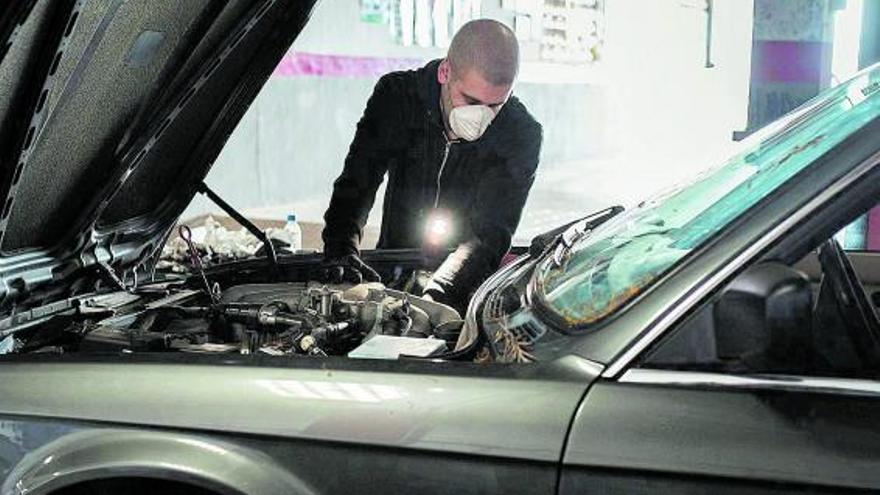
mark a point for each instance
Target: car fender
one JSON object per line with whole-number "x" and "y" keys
{"x": 96, "y": 454}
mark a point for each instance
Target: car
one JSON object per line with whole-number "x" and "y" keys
{"x": 715, "y": 338}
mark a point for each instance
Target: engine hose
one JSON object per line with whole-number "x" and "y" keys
{"x": 421, "y": 323}
{"x": 183, "y": 311}
{"x": 330, "y": 332}
{"x": 449, "y": 331}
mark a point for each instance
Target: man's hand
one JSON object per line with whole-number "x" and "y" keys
{"x": 349, "y": 268}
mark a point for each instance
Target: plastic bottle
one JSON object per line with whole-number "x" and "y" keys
{"x": 292, "y": 234}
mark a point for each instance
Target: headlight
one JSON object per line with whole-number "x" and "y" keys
{"x": 472, "y": 321}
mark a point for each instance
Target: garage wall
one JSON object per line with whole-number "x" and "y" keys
{"x": 649, "y": 113}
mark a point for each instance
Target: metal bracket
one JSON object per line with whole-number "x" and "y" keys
{"x": 117, "y": 281}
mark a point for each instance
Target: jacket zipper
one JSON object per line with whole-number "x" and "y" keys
{"x": 440, "y": 172}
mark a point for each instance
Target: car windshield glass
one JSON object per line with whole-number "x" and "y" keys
{"x": 606, "y": 268}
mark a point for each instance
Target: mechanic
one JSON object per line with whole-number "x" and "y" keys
{"x": 460, "y": 153}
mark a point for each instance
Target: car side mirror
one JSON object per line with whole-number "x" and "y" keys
{"x": 763, "y": 319}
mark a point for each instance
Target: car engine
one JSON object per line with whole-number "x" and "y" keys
{"x": 366, "y": 320}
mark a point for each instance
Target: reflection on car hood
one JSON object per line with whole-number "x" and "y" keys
{"x": 111, "y": 113}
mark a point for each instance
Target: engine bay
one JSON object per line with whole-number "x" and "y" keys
{"x": 365, "y": 320}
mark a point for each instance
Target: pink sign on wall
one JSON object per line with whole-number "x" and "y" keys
{"x": 317, "y": 65}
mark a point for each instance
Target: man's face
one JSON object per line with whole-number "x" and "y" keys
{"x": 469, "y": 88}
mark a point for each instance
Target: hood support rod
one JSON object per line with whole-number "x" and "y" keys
{"x": 243, "y": 221}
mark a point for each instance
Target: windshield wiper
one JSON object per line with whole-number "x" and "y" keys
{"x": 562, "y": 238}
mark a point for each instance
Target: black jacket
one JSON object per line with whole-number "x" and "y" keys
{"x": 484, "y": 183}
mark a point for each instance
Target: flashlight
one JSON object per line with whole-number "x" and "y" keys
{"x": 438, "y": 228}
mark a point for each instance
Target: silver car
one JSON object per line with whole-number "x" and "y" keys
{"x": 714, "y": 339}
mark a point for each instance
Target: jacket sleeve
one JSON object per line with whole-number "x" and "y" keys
{"x": 376, "y": 142}
{"x": 501, "y": 195}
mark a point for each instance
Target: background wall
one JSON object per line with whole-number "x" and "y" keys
{"x": 647, "y": 115}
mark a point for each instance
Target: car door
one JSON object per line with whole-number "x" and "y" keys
{"x": 653, "y": 431}
{"x": 695, "y": 428}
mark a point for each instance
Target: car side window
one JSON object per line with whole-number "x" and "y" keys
{"x": 775, "y": 319}
{"x": 863, "y": 234}
{"x": 861, "y": 240}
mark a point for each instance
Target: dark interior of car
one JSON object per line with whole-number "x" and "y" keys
{"x": 817, "y": 317}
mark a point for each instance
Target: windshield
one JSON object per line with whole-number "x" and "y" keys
{"x": 606, "y": 268}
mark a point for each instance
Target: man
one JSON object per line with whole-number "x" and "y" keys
{"x": 460, "y": 153}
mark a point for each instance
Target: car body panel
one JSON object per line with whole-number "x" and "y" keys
{"x": 675, "y": 436}
{"x": 408, "y": 410}
{"x": 77, "y": 453}
{"x": 51, "y": 453}
{"x": 415, "y": 424}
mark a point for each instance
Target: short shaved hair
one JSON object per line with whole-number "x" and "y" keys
{"x": 487, "y": 46}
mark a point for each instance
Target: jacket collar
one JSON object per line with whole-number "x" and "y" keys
{"x": 429, "y": 91}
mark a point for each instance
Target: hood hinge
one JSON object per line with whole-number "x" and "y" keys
{"x": 115, "y": 279}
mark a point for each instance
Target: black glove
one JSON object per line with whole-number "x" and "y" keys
{"x": 348, "y": 268}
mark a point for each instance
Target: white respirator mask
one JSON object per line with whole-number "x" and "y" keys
{"x": 471, "y": 121}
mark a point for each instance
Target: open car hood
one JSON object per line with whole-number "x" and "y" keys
{"x": 111, "y": 114}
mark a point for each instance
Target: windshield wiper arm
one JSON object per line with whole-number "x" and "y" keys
{"x": 243, "y": 221}
{"x": 565, "y": 235}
